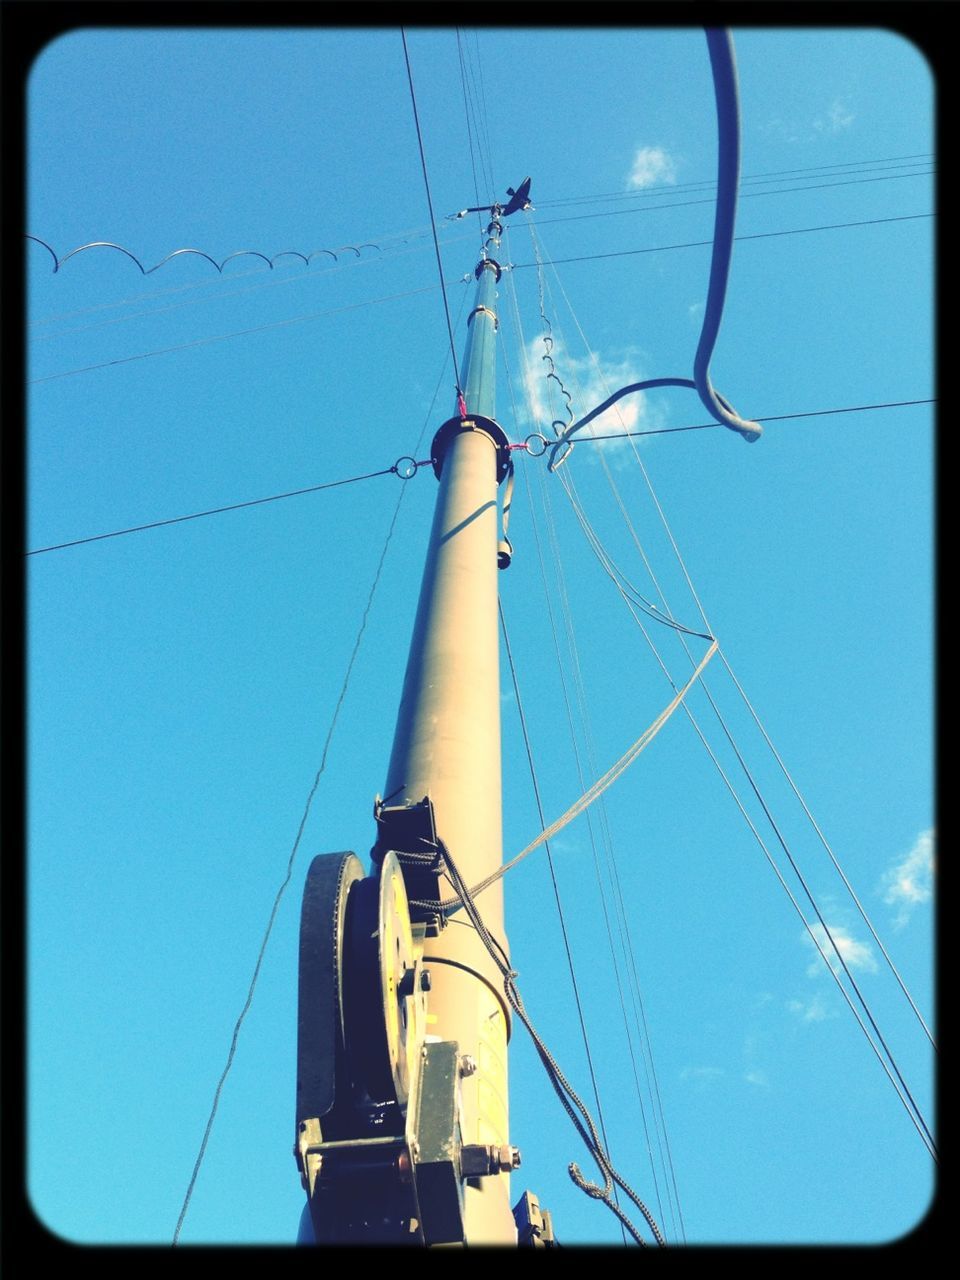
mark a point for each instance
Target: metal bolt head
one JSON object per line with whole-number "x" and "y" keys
{"x": 468, "y": 1064}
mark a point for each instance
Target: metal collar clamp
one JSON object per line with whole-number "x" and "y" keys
{"x": 474, "y": 422}
{"x": 488, "y": 262}
{"x": 486, "y": 311}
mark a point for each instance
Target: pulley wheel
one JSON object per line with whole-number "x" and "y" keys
{"x": 384, "y": 1006}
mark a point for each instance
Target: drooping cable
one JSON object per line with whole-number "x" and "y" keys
{"x": 649, "y": 1067}
{"x": 571, "y": 1102}
{"x": 902, "y": 1089}
{"x": 433, "y": 220}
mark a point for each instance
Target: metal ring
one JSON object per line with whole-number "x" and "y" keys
{"x": 539, "y": 452}
{"x": 406, "y": 472}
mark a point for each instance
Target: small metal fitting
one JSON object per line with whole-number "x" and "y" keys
{"x": 468, "y": 1065}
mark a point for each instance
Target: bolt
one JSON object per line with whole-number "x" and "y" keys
{"x": 426, "y": 981}
{"x": 468, "y": 1065}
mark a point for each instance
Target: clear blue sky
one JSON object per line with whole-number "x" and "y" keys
{"x": 181, "y": 680}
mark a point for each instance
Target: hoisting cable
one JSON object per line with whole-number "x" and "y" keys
{"x": 433, "y": 221}
{"x": 571, "y": 1102}
{"x": 553, "y": 878}
{"x": 303, "y": 822}
{"x": 601, "y": 810}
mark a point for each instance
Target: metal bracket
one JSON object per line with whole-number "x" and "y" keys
{"x": 534, "y": 1225}
{"x": 488, "y": 262}
{"x": 486, "y": 311}
{"x": 475, "y": 422}
{"x": 410, "y": 831}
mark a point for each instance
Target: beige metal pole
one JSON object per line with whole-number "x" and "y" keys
{"x": 447, "y": 747}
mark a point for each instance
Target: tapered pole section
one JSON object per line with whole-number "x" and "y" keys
{"x": 447, "y": 745}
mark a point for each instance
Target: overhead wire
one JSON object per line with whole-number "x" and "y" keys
{"x": 214, "y": 511}
{"x": 576, "y": 750}
{"x": 662, "y": 1136}
{"x": 903, "y": 1091}
{"x": 851, "y": 166}
{"x": 433, "y": 221}
{"x": 231, "y": 1054}
{"x": 569, "y": 1099}
{"x": 746, "y": 195}
{"x": 239, "y": 333}
{"x": 575, "y": 986}
{"x": 697, "y": 244}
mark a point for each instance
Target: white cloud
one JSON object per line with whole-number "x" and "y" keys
{"x": 856, "y": 955}
{"x": 651, "y": 167}
{"x": 695, "y": 312}
{"x": 701, "y": 1075}
{"x": 757, "y": 1077}
{"x": 837, "y": 118}
{"x": 909, "y": 881}
{"x": 814, "y": 1010}
{"x": 588, "y": 384}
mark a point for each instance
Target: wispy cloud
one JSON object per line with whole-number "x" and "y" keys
{"x": 589, "y": 384}
{"x": 909, "y": 881}
{"x": 702, "y": 1075}
{"x": 856, "y": 955}
{"x": 813, "y": 1010}
{"x": 652, "y": 166}
{"x": 835, "y": 119}
{"x": 757, "y": 1078}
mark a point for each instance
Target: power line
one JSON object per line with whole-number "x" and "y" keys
{"x": 684, "y": 204}
{"x": 664, "y": 188}
{"x": 214, "y": 511}
{"x": 300, "y": 830}
{"x": 239, "y": 333}
{"x": 781, "y": 417}
{"x": 695, "y": 244}
{"x": 433, "y": 221}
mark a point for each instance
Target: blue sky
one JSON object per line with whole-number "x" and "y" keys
{"x": 181, "y": 680}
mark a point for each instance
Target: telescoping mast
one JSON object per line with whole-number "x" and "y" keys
{"x": 402, "y": 1125}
